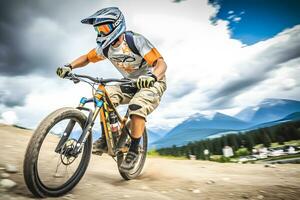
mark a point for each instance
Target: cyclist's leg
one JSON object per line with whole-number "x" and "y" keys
{"x": 142, "y": 104}
{"x": 117, "y": 96}
{"x": 145, "y": 101}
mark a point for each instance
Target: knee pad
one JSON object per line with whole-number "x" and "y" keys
{"x": 134, "y": 107}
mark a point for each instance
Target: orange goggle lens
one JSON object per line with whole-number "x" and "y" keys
{"x": 104, "y": 29}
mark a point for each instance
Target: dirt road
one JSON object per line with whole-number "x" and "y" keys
{"x": 162, "y": 178}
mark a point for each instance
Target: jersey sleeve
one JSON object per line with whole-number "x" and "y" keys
{"x": 146, "y": 49}
{"x": 95, "y": 55}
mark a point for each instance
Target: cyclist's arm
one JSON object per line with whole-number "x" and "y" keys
{"x": 154, "y": 59}
{"x": 83, "y": 60}
{"x": 159, "y": 68}
{"x": 151, "y": 56}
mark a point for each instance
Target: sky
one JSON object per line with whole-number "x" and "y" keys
{"x": 251, "y": 21}
{"x": 216, "y": 63}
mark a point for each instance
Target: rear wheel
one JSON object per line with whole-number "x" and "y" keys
{"x": 141, "y": 160}
{"x": 52, "y": 171}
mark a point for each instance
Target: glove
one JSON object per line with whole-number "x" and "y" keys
{"x": 146, "y": 81}
{"x": 62, "y": 72}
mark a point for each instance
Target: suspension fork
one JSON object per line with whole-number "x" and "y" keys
{"x": 65, "y": 135}
{"x": 88, "y": 124}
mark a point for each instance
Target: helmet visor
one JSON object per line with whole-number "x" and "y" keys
{"x": 104, "y": 29}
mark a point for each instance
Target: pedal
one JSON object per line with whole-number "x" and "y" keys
{"x": 123, "y": 149}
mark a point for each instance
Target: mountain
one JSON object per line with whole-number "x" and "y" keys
{"x": 269, "y": 110}
{"x": 200, "y": 121}
{"x": 291, "y": 117}
{"x": 247, "y": 113}
{"x": 153, "y": 136}
{"x": 199, "y": 126}
{"x": 267, "y": 113}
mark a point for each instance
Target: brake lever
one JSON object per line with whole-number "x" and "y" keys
{"x": 75, "y": 80}
{"x": 71, "y": 76}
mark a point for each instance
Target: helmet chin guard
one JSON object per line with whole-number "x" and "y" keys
{"x": 108, "y": 15}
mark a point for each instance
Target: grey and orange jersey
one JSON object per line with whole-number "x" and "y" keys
{"x": 129, "y": 64}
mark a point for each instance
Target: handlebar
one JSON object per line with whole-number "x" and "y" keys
{"x": 76, "y": 78}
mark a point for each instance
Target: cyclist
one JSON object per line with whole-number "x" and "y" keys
{"x": 135, "y": 58}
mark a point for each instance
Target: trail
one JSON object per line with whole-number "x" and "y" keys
{"x": 164, "y": 179}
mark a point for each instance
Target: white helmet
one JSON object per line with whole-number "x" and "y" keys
{"x": 109, "y": 24}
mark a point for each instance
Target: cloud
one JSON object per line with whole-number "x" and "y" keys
{"x": 12, "y": 93}
{"x": 9, "y": 118}
{"x": 36, "y": 37}
{"x": 261, "y": 59}
{"x": 237, "y": 19}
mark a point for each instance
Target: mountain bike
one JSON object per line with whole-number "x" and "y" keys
{"x": 59, "y": 151}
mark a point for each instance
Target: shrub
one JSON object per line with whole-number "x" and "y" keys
{"x": 219, "y": 158}
{"x": 242, "y": 152}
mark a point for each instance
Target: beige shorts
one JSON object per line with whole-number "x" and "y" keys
{"x": 141, "y": 103}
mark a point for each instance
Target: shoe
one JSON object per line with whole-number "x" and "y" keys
{"x": 99, "y": 146}
{"x": 129, "y": 161}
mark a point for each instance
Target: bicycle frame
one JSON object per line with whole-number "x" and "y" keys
{"x": 103, "y": 105}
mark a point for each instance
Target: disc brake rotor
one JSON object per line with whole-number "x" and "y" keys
{"x": 66, "y": 157}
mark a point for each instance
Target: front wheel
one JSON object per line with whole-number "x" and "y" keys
{"x": 141, "y": 160}
{"x": 51, "y": 168}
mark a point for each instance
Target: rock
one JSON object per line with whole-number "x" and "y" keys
{"x": 7, "y": 183}
{"x": 4, "y": 175}
{"x": 260, "y": 197}
{"x": 270, "y": 165}
{"x": 2, "y": 168}
{"x": 126, "y": 196}
{"x": 244, "y": 196}
{"x": 11, "y": 168}
{"x": 210, "y": 182}
{"x": 196, "y": 191}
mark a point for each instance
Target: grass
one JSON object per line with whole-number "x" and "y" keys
{"x": 281, "y": 157}
{"x": 155, "y": 154}
{"x": 293, "y": 142}
{"x": 275, "y": 144}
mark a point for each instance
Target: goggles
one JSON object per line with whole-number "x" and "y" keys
{"x": 104, "y": 29}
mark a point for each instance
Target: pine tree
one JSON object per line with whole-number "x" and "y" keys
{"x": 249, "y": 142}
{"x": 266, "y": 139}
{"x": 224, "y": 141}
{"x": 232, "y": 140}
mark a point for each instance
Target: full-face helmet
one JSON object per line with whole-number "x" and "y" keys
{"x": 109, "y": 24}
